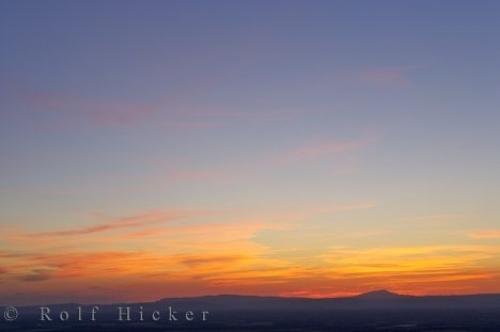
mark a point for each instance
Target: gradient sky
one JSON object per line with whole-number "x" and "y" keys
{"x": 297, "y": 148}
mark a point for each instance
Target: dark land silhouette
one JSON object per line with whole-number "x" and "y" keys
{"x": 373, "y": 311}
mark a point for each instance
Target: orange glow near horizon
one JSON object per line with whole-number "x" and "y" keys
{"x": 108, "y": 262}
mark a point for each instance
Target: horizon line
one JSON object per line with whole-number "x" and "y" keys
{"x": 388, "y": 292}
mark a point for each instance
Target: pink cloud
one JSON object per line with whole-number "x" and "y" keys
{"x": 119, "y": 114}
{"x": 232, "y": 171}
{"x": 46, "y": 99}
{"x": 216, "y": 174}
{"x": 326, "y": 148}
{"x": 386, "y": 76}
{"x": 69, "y": 109}
{"x": 120, "y": 223}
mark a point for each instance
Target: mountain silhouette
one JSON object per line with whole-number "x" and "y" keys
{"x": 379, "y": 299}
{"x": 379, "y": 310}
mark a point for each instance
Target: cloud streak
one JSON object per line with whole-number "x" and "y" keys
{"x": 36, "y": 276}
{"x": 196, "y": 260}
{"x": 63, "y": 108}
{"x": 485, "y": 234}
{"x": 154, "y": 274}
{"x": 386, "y": 76}
{"x": 326, "y": 148}
{"x": 121, "y": 223}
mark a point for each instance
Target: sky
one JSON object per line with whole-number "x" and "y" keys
{"x": 156, "y": 149}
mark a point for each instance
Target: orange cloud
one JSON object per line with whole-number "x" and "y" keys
{"x": 430, "y": 261}
{"x": 194, "y": 261}
{"x": 37, "y": 275}
{"x": 149, "y": 275}
{"x": 146, "y": 260}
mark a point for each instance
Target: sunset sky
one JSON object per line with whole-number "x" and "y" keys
{"x": 154, "y": 149}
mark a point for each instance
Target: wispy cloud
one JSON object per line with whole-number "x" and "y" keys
{"x": 327, "y": 148}
{"x": 318, "y": 149}
{"x": 65, "y": 108}
{"x": 120, "y": 223}
{"x": 197, "y": 260}
{"x": 396, "y": 76}
{"x": 421, "y": 269}
{"x": 11, "y": 255}
{"x": 310, "y": 151}
{"x": 69, "y": 108}
{"x": 36, "y": 275}
{"x": 485, "y": 234}
{"x": 119, "y": 113}
{"x": 417, "y": 259}
{"x": 196, "y": 175}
